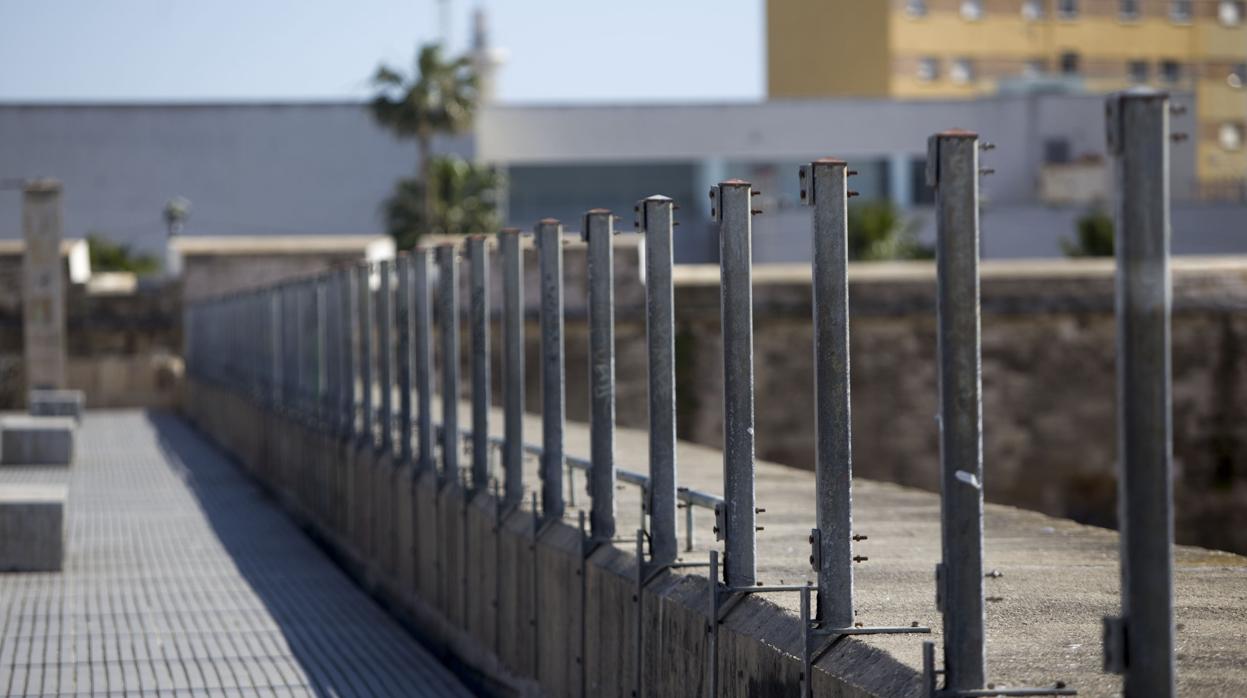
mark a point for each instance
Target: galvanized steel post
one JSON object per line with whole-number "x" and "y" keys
{"x": 732, "y": 208}
{"x": 448, "y": 311}
{"x": 825, "y": 187}
{"x": 346, "y": 344}
{"x": 478, "y": 262}
{"x": 422, "y": 337}
{"x": 512, "y": 365}
{"x": 364, "y": 288}
{"x": 549, "y": 234}
{"x": 953, "y": 169}
{"x": 385, "y": 353}
{"x": 599, "y": 233}
{"x": 320, "y": 295}
{"x": 1140, "y": 644}
{"x": 658, "y": 223}
{"x": 405, "y": 303}
{"x": 329, "y": 302}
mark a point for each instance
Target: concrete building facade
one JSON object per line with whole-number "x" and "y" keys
{"x": 941, "y": 49}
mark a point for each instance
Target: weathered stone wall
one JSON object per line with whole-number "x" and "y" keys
{"x": 1049, "y": 384}
{"x": 1049, "y": 378}
{"x": 124, "y": 349}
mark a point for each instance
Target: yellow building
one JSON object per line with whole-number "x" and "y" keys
{"x": 914, "y": 49}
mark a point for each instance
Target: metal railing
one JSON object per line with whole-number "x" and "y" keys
{"x": 304, "y": 348}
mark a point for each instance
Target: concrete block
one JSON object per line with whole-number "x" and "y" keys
{"x": 32, "y": 527}
{"x": 56, "y": 403}
{"x": 27, "y": 440}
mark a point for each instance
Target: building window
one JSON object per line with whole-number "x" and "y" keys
{"x": 1138, "y": 71}
{"x": 1237, "y": 77}
{"x": 1070, "y": 63}
{"x": 1067, "y": 9}
{"x": 1128, "y": 9}
{"x": 1180, "y": 10}
{"x": 972, "y": 9}
{"x": 1171, "y": 72}
{"x": 1230, "y": 12}
{"x": 1032, "y": 10}
{"x": 928, "y": 68}
{"x": 1230, "y": 135}
{"x": 962, "y": 71}
{"x": 916, "y": 8}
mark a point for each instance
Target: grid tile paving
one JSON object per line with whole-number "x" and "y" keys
{"x": 182, "y": 579}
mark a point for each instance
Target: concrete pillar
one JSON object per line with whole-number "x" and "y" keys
{"x": 43, "y": 291}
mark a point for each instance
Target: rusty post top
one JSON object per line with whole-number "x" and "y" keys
{"x": 957, "y": 133}
{"x": 510, "y": 231}
{"x": 735, "y": 183}
{"x": 475, "y": 237}
{"x": 548, "y": 221}
{"x": 1142, "y": 92}
{"x": 41, "y": 185}
{"x": 657, "y": 198}
{"x": 598, "y": 212}
{"x": 830, "y": 161}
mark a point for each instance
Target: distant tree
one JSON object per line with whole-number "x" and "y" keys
{"x": 463, "y": 199}
{"x": 107, "y": 255}
{"x": 439, "y": 97}
{"x": 1093, "y": 236}
{"x": 879, "y": 231}
{"x": 175, "y": 213}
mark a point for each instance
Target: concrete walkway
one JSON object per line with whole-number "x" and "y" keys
{"x": 181, "y": 578}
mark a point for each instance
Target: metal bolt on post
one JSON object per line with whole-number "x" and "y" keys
{"x": 599, "y": 232}
{"x": 478, "y": 262}
{"x": 733, "y": 211}
{"x": 512, "y": 365}
{"x": 657, "y": 221}
{"x": 448, "y": 311}
{"x": 1140, "y": 644}
{"x": 422, "y": 338}
{"x": 385, "y": 352}
{"x": 549, "y": 235}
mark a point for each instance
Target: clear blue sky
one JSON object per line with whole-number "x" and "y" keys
{"x": 559, "y": 50}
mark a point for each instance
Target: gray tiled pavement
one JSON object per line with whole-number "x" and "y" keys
{"x": 181, "y": 578}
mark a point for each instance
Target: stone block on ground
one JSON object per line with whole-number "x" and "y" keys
{"x": 56, "y": 403}
{"x": 28, "y": 440}
{"x": 32, "y": 527}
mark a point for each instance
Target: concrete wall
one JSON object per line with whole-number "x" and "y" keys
{"x": 521, "y": 610}
{"x": 124, "y": 350}
{"x": 1048, "y": 376}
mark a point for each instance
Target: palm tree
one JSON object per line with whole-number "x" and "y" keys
{"x": 439, "y": 97}
{"x": 879, "y": 231}
{"x": 463, "y": 202}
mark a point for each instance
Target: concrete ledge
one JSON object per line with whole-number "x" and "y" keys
{"x": 56, "y": 403}
{"x": 32, "y": 527}
{"x": 27, "y": 440}
{"x": 517, "y": 607}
